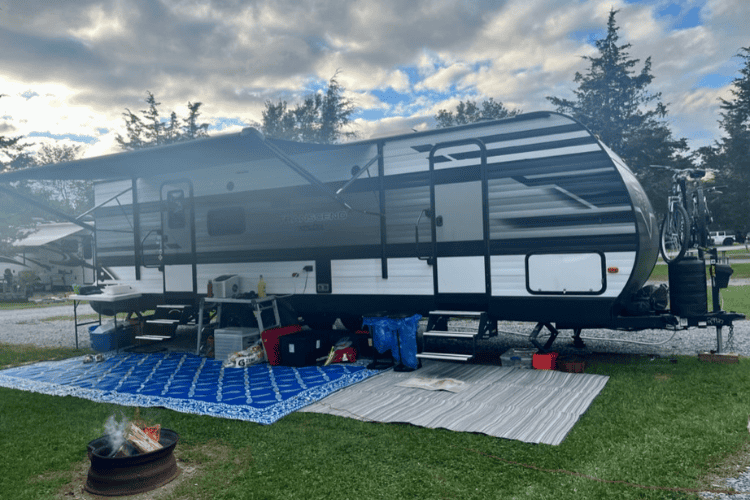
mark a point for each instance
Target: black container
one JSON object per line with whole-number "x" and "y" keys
{"x": 361, "y": 340}
{"x": 117, "y": 476}
{"x": 723, "y": 272}
{"x": 303, "y": 348}
{"x": 688, "y": 296}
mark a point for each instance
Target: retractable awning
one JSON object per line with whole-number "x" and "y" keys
{"x": 191, "y": 155}
{"x": 48, "y": 233}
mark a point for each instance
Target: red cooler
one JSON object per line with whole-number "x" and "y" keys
{"x": 270, "y": 339}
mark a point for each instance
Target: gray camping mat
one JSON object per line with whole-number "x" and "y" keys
{"x": 535, "y": 406}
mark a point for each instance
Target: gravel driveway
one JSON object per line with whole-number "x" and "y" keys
{"x": 31, "y": 326}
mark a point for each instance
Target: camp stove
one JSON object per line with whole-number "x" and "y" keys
{"x": 111, "y": 474}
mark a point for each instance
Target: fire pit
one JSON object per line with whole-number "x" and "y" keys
{"x": 128, "y": 475}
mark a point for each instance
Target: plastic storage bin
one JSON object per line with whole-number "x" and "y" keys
{"x": 229, "y": 340}
{"x": 518, "y": 358}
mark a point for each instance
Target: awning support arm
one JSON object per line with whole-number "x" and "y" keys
{"x": 46, "y": 208}
{"x": 356, "y": 176}
{"x": 302, "y": 171}
{"x": 84, "y": 214}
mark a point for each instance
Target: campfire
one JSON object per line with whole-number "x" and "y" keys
{"x": 131, "y": 459}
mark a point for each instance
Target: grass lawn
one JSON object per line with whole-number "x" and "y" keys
{"x": 656, "y": 424}
{"x": 741, "y": 271}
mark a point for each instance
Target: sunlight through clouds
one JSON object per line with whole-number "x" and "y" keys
{"x": 400, "y": 62}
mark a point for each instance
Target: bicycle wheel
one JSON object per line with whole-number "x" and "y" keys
{"x": 673, "y": 235}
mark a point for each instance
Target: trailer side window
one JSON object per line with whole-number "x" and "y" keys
{"x": 226, "y": 221}
{"x": 88, "y": 248}
{"x": 69, "y": 246}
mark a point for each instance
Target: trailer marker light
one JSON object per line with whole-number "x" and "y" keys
{"x": 613, "y": 270}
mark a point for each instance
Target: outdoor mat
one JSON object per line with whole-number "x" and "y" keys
{"x": 535, "y": 406}
{"x": 187, "y": 383}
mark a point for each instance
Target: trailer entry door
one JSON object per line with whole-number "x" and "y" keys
{"x": 459, "y": 223}
{"x": 178, "y": 236}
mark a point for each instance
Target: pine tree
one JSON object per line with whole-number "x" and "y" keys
{"x": 150, "y": 129}
{"x": 613, "y": 101}
{"x": 469, "y": 112}
{"x": 730, "y": 155}
{"x": 320, "y": 118}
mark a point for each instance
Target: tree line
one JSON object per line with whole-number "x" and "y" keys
{"x": 612, "y": 99}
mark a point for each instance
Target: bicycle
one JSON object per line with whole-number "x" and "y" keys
{"x": 686, "y": 223}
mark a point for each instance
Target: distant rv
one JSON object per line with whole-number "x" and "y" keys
{"x": 59, "y": 253}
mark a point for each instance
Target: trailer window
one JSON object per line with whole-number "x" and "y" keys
{"x": 69, "y": 246}
{"x": 88, "y": 250}
{"x": 571, "y": 273}
{"x": 176, "y": 209}
{"x": 226, "y": 221}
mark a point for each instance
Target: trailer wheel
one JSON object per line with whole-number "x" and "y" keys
{"x": 673, "y": 235}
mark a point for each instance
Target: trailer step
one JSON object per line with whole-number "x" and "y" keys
{"x": 152, "y": 337}
{"x": 163, "y": 321}
{"x": 475, "y": 314}
{"x": 445, "y": 356}
{"x": 173, "y": 306}
{"x": 459, "y": 335}
{"x": 437, "y": 329}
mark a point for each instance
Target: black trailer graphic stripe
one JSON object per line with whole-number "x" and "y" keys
{"x": 603, "y": 243}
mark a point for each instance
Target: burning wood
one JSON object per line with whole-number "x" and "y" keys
{"x": 141, "y": 440}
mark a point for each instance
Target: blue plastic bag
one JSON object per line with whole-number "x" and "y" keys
{"x": 383, "y": 335}
{"x": 407, "y": 335}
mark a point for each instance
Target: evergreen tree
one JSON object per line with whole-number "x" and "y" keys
{"x": 150, "y": 129}
{"x": 730, "y": 155}
{"x": 14, "y": 153}
{"x": 320, "y": 118}
{"x": 613, "y": 101}
{"x": 71, "y": 197}
{"x": 469, "y": 112}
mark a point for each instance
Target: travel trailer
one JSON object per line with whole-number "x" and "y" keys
{"x": 530, "y": 218}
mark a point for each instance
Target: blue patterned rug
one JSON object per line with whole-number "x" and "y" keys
{"x": 187, "y": 383}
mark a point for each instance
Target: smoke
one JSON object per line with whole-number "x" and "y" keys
{"x": 115, "y": 431}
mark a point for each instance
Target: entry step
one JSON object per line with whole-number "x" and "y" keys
{"x": 152, "y": 337}
{"x": 162, "y": 321}
{"x": 444, "y": 356}
{"x": 459, "y": 335}
{"x": 456, "y": 313}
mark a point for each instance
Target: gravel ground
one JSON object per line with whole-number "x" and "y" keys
{"x": 44, "y": 327}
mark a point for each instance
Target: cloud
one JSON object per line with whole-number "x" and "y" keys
{"x": 89, "y": 60}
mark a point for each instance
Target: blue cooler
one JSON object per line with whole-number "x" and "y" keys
{"x": 109, "y": 340}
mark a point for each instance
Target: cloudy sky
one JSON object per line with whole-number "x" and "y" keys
{"x": 68, "y": 69}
